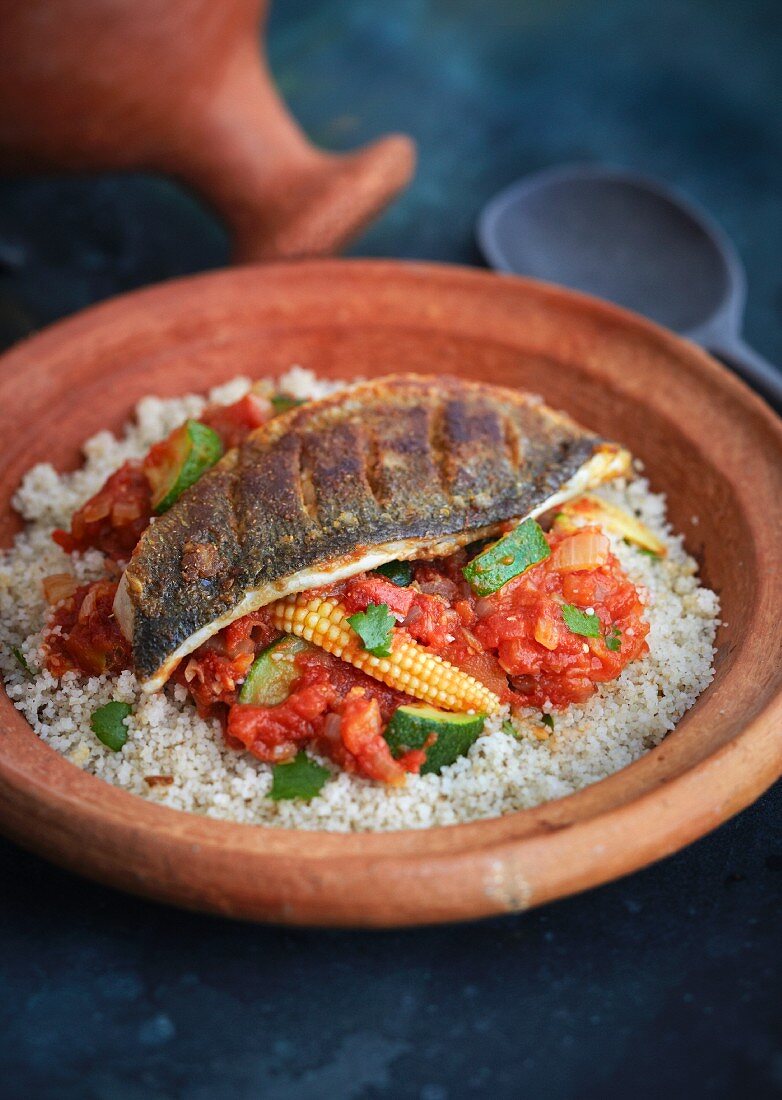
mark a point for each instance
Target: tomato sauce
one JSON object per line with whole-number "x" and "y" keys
{"x": 550, "y": 665}
{"x": 517, "y": 641}
{"x": 83, "y": 635}
{"x": 214, "y": 673}
{"x": 234, "y": 422}
{"x": 334, "y": 707}
{"x": 114, "y": 519}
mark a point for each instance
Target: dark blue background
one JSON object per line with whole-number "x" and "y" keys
{"x": 664, "y": 984}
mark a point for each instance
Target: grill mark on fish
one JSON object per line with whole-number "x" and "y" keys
{"x": 513, "y": 445}
{"x": 408, "y": 474}
{"x": 402, "y": 467}
{"x": 339, "y": 478}
{"x": 309, "y": 498}
{"x": 373, "y": 469}
{"x": 273, "y": 515}
{"x": 479, "y": 468}
{"x": 438, "y": 447}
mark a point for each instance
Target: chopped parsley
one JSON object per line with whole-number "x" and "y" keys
{"x": 20, "y": 660}
{"x": 579, "y": 622}
{"x": 547, "y": 720}
{"x": 614, "y": 639}
{"x": 375, "y": 628}
{"x": 108, "y": 724}
{"x": 509, "y": 728}
{"x": 301, "y": 778}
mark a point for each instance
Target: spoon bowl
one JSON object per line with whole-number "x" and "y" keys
{"x": 625, "y": 237}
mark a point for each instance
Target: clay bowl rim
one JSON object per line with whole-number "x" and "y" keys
{"x": 411, "y": 877}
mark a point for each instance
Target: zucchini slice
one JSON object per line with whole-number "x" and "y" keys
{"x": 411, "y": 727}
{"x": 189, "y": 452}
{"x": 512, "y": 555}
{"x": 399, "y": 573}
{"x": 273, "y": 672}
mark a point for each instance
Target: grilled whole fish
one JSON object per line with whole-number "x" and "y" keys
{"x": 402, "y": 467}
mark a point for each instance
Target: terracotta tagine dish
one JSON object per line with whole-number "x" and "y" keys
{"x": 180, "y": 87}
{"x": 705, "y": 440}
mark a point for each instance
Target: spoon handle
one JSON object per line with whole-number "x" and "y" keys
{"x": 753, "y": 368}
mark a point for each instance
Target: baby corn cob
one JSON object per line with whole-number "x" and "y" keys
{"x": 410, "y": 668}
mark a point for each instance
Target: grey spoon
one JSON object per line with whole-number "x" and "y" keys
{"x": 636, "y": 242}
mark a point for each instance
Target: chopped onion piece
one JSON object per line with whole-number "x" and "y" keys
{"x": 97, "y": 508}
{"x": 414, "y": 614}
{"x": 58, "y": 587}
{"x": 88, "y": 605}
{"x": 332, "y": 729}
{"x": 546, "y": 633}
{"x": 584, "y": 550}
{"x": 125, "y": 511}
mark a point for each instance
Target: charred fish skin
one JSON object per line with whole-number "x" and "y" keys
{"x": 400, "y": 464}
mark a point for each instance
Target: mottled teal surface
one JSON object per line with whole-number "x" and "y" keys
{"x": 666, "y": 984}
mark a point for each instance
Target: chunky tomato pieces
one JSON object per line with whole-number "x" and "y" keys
{"x": 114, "y": 519}
{"x": 83, "y": 635}
{"x": 516, "y": 641}
{"x": 547, "y": 662}
{"x": 438, "y": 613}
{"x": 426, "y": 616}
{"x": 215, "y": 671}
{"x": 338, "y": 710}
{"x": 276, "y": 733}
{"x": 362, "y": 747}
{"x": 233, "y": 422}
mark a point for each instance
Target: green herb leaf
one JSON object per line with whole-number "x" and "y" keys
{"x": 547, "y": 720}
{"x": 108, "y": 724}
{"x": 509, "y": 728}
{"x": 374, "y": 627}
{"x": 511, "y": 556}
{"x": 399, "y": 573}
{"x": 282, "y": 402}
{"x": 614, "y": 640}
{"x": 301, "y": 778}
{"x": 578, "y": 622}
{"x": 20, "y": 660}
